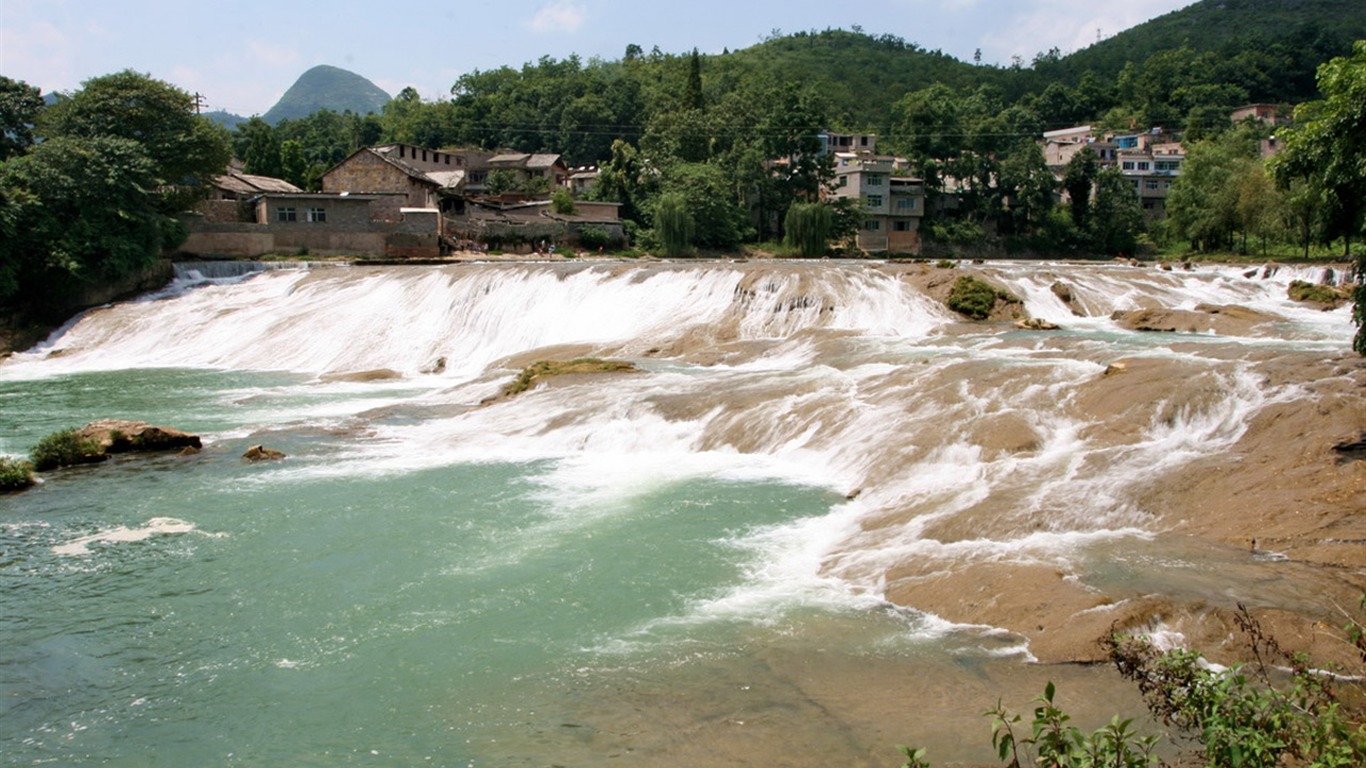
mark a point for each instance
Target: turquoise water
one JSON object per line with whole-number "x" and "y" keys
{"x": 301, "y": 617}
{"x": 652, "y": 569}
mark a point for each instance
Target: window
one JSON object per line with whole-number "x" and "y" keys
{"x": 285, "y": 214}
{"x": 315, "y": 215}
{"x": 905, "y": 203}
{"x": 1150, "y": 184}
{"x": 875, "y": 180}
{"x": 1127, "y": 165}
{"x": 872, "y": 226}
{"x": 844, "y": 181}
{"x": 1143, "y": 166}
{"x": 901, "y": 226}
{"x": 874, "y": 201}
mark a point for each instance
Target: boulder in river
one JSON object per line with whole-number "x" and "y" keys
{"x": 262, "y": 453}
{"x": 122, "y": 436}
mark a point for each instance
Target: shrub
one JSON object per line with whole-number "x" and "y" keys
{"x": 15, "y": 474}
{"x": 1279, "y": 709}
{"x": 1052, "y": 742}
{"x": 563, "y": 202}
{"x": 64, "y": 449}
{"x": 593, "y": 238}
{"x": 975, "y": 298}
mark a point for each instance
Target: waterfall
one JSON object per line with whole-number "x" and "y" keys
{"x": 812, "y": 453}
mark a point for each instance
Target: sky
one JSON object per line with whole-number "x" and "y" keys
{"x": 242, "y": 56}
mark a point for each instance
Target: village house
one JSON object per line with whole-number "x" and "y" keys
{"x": 233, "y": 195}
{"x": 524, "y": 176}
{"x": 1150, "y": 160}
{"x": 534, "y": 225}
{"x": 407, "y": 176}
{"x": 893, "y": 204}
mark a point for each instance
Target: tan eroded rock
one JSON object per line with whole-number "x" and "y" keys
{"x": 261, "y": 453}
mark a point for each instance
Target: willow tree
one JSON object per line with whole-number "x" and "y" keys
{"x": 807, "y": 228}
{"x": 673, "y": 224}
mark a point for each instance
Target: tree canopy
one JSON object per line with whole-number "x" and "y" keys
{"x": 93, "y": 198}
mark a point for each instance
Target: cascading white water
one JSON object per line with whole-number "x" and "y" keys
{"x": 959, "y": 448}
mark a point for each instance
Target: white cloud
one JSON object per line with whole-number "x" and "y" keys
{"x": 271, "y": 54}
{"x": 557, "y": 17}
{"x": 1070, "y": 25}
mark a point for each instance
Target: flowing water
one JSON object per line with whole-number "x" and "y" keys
{"x": 687, "y": 564}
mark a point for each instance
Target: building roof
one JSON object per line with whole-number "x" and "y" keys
{"x": 515, "y": 159}
{"x": 251, "y": 184}
{"x": 446, "y": 179}
{"x": 338, "y": 196}
{"x": 520, "y": 160}
{"x": 543, "y": 161}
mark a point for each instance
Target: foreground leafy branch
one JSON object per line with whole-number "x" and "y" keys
{"x": 1276, "y": 710}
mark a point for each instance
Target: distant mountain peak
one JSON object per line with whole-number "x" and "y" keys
{"x": 327, "y": 87}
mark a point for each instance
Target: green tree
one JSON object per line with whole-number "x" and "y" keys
{"x": 1327, "y": 147}
{"x": 1078, "y": 179}
{"x": 1029, "y": 185}
{"x": 808, "y": 227}
{"x": 1202, "y": 206}
{"x": 692, "y": 96}
{"x": 295, "y": 168}
{"x": 185, "y": 149}
{"x": 256, "y": 144}
{"x": 563, "y": 202}
{"x": 718, "y": 220}
{"x": 86, "y": 216}
{"x": 19, "y": 107}
{"x": 625, "y": 179}
{"x": 673, "y": 224}
{"x": 1116, "y": 216}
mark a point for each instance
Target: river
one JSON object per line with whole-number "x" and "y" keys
{"x": 820, "y": 521}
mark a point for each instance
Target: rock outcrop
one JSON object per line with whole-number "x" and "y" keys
{"x": 1225, "y": 320}
{"x": 262, "y": 453}
{"x": 121, "y": 436}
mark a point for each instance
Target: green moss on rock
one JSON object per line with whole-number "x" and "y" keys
{"x": 545, "y": 369}
{"x": 976, "y": 298}
{"x": 1300, "y": 290}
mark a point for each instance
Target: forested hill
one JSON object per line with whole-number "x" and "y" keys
{"x": 324, "y": 87}
{"x": 1277, "y": 42}
{"x": 855, "y": 72}
{"x": 1184, "y": 71}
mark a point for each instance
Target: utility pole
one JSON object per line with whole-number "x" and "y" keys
{"x": 198, "y": 102}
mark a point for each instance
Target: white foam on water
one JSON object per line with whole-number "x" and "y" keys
{"x": 893, "y": 414}
{"x": 157, "y": 526}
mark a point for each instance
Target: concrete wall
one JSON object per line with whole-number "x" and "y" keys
{"x": 341, "y": 213}
{"x": 250, "y": 241}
